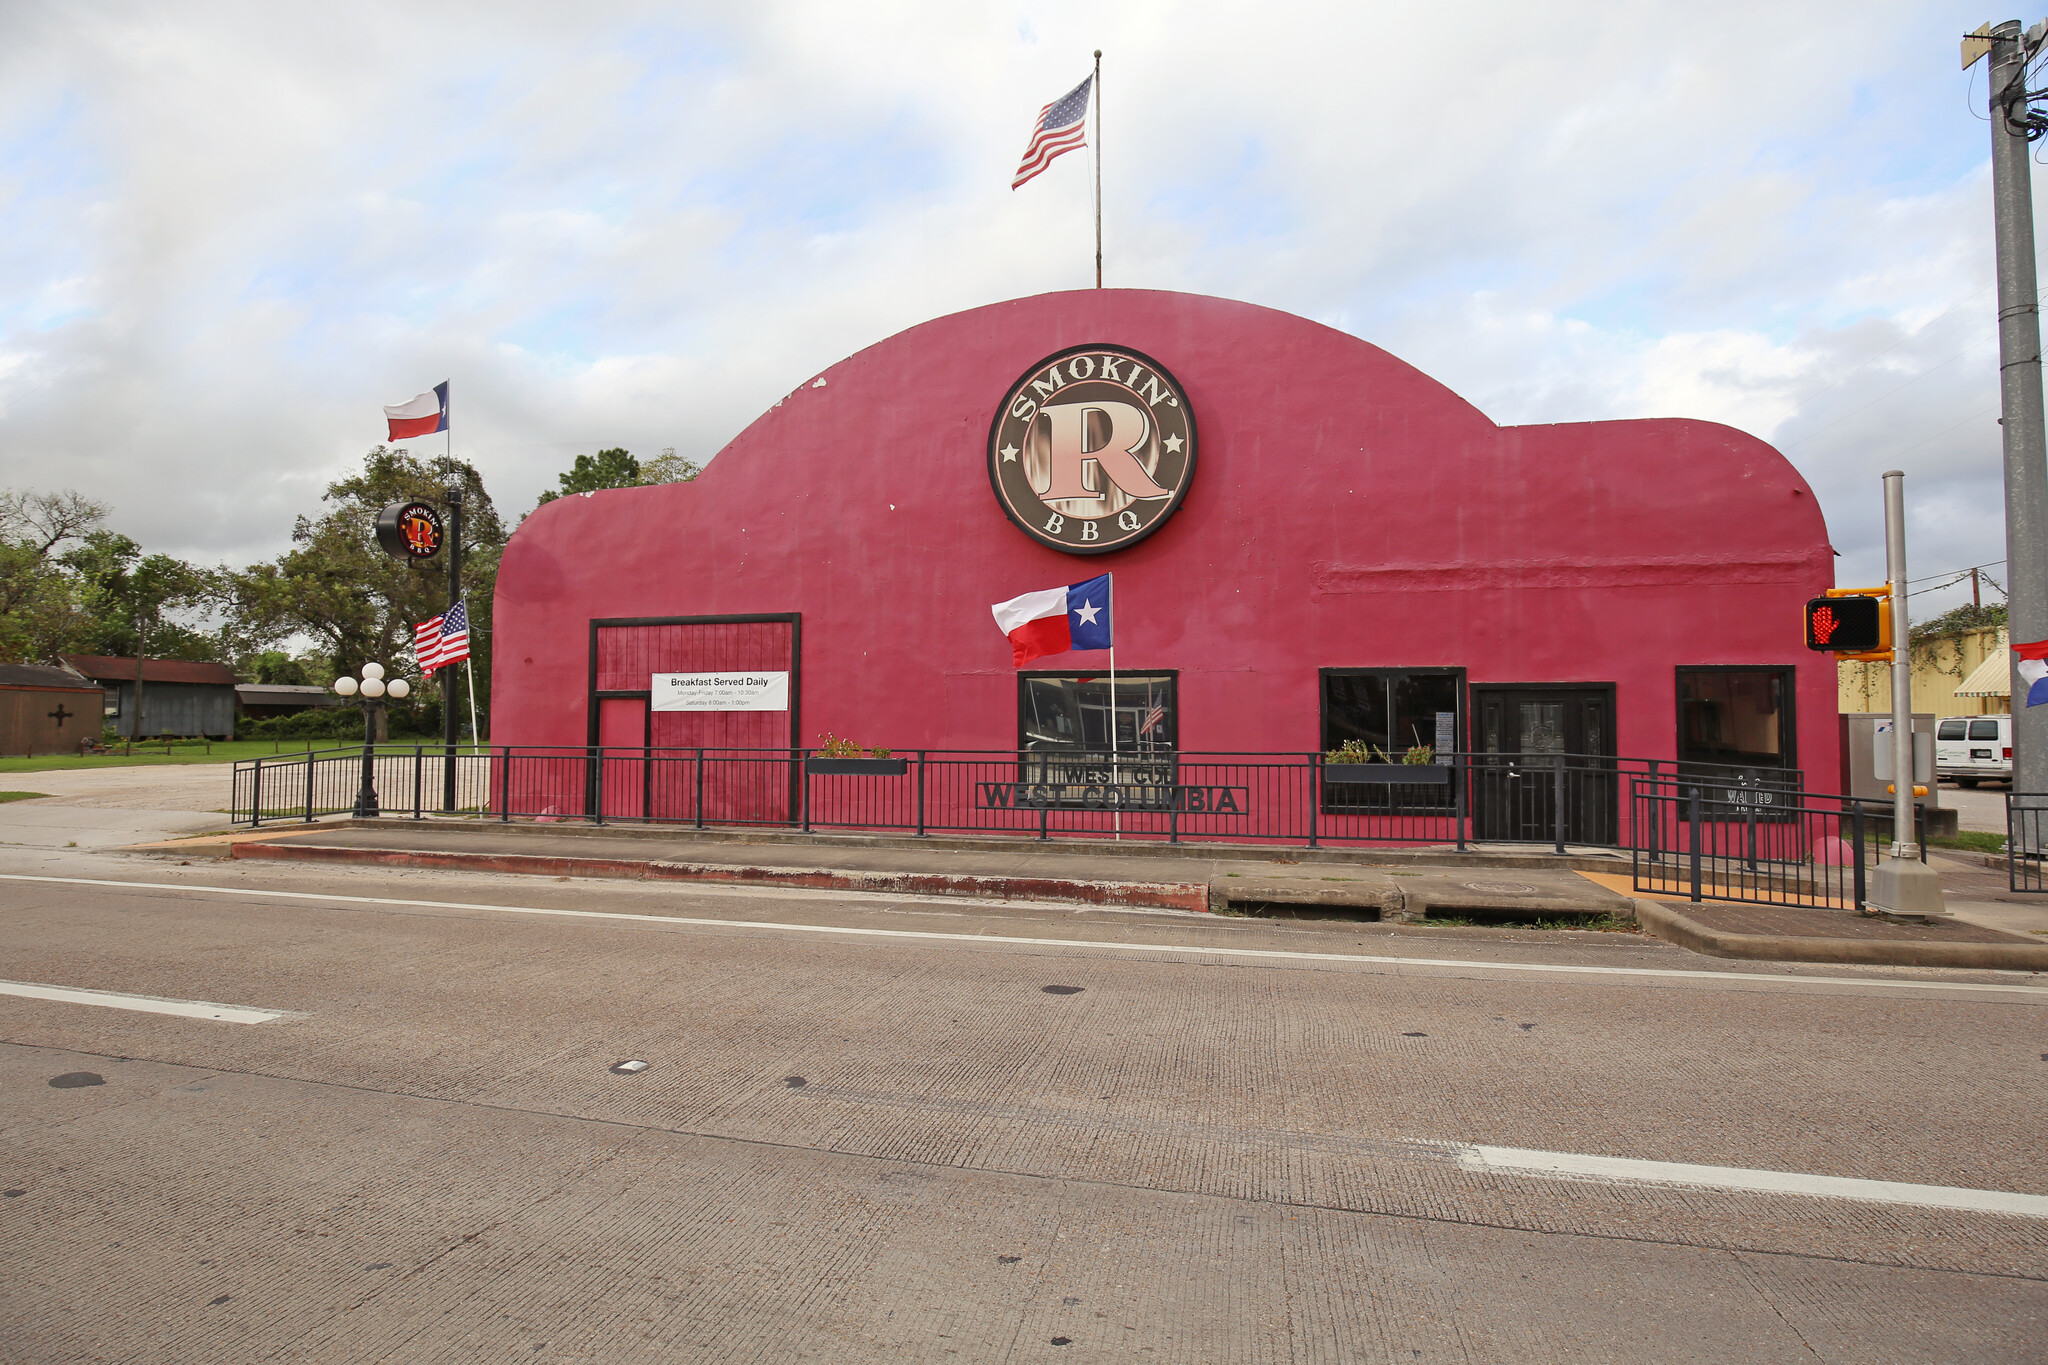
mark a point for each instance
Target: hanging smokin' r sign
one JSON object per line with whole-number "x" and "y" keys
{"x": 1092, "y": 450}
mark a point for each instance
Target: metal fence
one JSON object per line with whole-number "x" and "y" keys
{"x": 1705, "y": 841}
{"x": 2026, "y": 840}
{"x": 1290, "y": 799}
{"x": 403, "y": 781}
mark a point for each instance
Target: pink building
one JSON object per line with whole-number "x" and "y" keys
{"x": 1311, "y": 542}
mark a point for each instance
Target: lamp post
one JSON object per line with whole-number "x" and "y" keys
{"x": 370, "y": 692}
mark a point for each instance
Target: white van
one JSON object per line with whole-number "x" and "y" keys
{"x": 1973, "y": 749}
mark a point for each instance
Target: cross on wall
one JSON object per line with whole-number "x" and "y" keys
{"x": 60, "y": 715}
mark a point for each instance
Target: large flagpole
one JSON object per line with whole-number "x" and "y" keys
{"x": 1097, "y": 91}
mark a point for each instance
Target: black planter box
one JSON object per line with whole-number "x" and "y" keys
{"x": 848, "y": 767}
{"x": 1389, "y": 774}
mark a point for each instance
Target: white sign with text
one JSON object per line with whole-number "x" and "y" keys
{"x": 720, "y": 692}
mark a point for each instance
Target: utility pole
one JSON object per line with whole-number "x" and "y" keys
{"x": 2013, "y": 127}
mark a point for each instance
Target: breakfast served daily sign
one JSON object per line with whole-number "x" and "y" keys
{"x": 719, "y": 692}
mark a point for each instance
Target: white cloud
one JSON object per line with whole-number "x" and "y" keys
{"x": 233, "y": 233}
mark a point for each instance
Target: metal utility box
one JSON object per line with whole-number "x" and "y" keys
{"x": 1859, "y": 766}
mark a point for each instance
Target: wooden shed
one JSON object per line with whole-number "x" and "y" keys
{"x": 179, "y": 697}
{"x": 45, "y": 710}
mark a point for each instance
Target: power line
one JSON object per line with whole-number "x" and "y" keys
{"x": 1947, "y": 572}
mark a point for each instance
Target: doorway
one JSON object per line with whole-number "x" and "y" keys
{"x": 1541, "y": 750}
{"x": 709, "y": 765}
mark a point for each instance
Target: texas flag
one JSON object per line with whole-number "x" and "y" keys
{"x": 1056, "y": 620}
{"x": 423, "y": 416}
{"x": 2033, "y": 666}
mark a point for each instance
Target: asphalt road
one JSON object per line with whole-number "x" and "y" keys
{"x": 900, "y": 1130}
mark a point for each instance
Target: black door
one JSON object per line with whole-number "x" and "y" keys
{"x": 1534, "y": 744}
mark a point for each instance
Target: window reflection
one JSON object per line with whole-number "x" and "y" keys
{"x": 1065, "y": 723}
{"x": 1738, "y": 716}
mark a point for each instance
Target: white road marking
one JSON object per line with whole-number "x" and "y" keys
{"x": 148, "y": 1004}
{"x": 1199, "y": 950}
{"x": 1568, "y": 1166}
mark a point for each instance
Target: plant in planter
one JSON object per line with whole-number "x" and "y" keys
{"x": 844, "y": 757}
{"x": 1357, "y": 761}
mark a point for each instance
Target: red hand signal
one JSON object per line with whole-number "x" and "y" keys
{"x": 1824, "y": 625}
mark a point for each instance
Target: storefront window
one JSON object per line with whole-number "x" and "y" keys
{"x": 1064, "y": 723}
{"x": 1393, "y": 710}
{"x": 1736, "y": 716}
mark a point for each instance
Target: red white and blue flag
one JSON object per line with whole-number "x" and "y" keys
{"x": 2033, "y": 667}
{"x": 444, "y": 640}
{"x": 423, "y": 416}
{"x": 1056, "y": 620}
{"x": 1062, "y": 126}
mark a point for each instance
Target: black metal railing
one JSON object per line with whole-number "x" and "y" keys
{"x": 1561, "y": 800}
{"x": 2026, "y": 840}
{"x": 407, "y": 780}
{"x": 1703, "y": 839}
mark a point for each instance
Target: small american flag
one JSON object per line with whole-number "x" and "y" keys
{"x": 1152, "y": 718}
{"x": 1062, "y": 126}
{"x": 443, "y": 640}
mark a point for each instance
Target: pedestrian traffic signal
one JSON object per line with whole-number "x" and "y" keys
{"x": 1850, "y": 621}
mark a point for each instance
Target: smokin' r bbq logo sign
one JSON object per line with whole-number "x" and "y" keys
{"x": 1092, "y": 450}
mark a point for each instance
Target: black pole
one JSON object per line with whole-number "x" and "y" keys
{"x": 1856, "y": 825}
{"x": 451, "y": 731}
{"x": 1693, "y": 840}
{"x": 366, "y": 794}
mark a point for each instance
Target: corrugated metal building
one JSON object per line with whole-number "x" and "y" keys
{"x": 45, "y": 710}
{"x": 260, "y": 701}
{"x": 178, "y": 697}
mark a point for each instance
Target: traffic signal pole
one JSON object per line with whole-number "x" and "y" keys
{"x": 1902, "y": 884}
{"x": 2019, "y": 357}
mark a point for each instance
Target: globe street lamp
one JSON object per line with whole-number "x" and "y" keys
{"x": 370, "y": 693}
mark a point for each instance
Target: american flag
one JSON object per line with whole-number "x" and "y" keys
{"x": 1062, "y": 126}
{"x": 1152, "y": 718}
{"x": 443, "y": 640}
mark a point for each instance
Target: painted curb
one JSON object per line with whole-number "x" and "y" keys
{"x": 1674, "y": 926}
{"x": 1145, "y": 895}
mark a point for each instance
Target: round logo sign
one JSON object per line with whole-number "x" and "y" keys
{"x": 409, "y": 530}
{"x": 1092, "y": 450}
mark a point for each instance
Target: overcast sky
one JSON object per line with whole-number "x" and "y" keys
{"x": 229, "y": 233}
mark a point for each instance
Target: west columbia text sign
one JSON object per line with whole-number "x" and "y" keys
{"x": 1107, "y": 796}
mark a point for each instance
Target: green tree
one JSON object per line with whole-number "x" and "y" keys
{"x": 617, "y": 468}
{"x": 275, "y": 668}
{"x": 338, "y": 587}
{"x": 40, "y": 606}
{"x": 129, "y": 599}
{"x": 137, "y": 605}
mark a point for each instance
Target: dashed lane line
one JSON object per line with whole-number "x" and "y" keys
{"x": 1625, "y": 1170}
{"x": 1183, "y": 949}
{"x": 147, "y": 1004}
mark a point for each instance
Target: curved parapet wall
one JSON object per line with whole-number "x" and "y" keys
{"x": 1347, "y": 512}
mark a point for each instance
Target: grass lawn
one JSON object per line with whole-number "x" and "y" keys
{"x": 20, "y": 796}
{"x": 1977, "y": 841}
{"x": 193, "y": 751}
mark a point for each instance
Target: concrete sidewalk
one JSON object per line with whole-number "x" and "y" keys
{"x": 1368, "y": 884}
{"x": 1364, "y": 885}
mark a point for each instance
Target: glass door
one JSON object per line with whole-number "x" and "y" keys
{"x": 1526, "y": 734}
